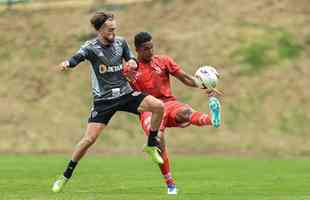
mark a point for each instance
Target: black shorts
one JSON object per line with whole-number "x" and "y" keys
{"x": 104, "y": 110}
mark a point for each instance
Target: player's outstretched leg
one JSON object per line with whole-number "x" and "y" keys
{"x": 215, "y": 109}
{"x": 92, "y": 132}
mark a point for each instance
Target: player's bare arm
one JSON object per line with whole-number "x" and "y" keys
{"x": 189, "y": 80}
{"x": 192, "y": 81}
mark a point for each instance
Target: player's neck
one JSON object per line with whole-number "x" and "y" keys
{"x": 103, "y": 41}
{"x": 143, "y": 60}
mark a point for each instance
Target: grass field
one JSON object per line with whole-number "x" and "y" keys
{"x": 136, "y": 178}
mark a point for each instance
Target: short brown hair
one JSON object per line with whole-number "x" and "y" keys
{"x": 99, "y": 18}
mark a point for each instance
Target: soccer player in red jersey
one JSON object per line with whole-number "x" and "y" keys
{"x": 152, "y": 76}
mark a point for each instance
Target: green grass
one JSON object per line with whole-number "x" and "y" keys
{"x": 135, "y": 178}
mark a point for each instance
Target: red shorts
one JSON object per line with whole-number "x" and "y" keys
{"x": 169, "y": 119}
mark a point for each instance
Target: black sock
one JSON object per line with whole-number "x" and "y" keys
{"x": 152, "y": 139}
{"x": 70, "y": 168}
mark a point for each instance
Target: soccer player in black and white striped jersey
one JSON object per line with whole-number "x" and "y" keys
{"x": 110, "y": 89}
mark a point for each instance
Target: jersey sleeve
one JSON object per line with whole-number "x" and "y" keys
{"x": 79, "y": 56}
{"x": 172, "y": 67}
{"x": 127, "y": 53}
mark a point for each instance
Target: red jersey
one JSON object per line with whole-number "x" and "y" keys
{"x": 153, "y": 77}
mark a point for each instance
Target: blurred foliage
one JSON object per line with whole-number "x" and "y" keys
{"x": 107, "y": 6}
{"x": 293, "y": 122}
{"x": 84, "y": 36}
{"x": 288, "y": 47}
{"x": 271, "y": 48}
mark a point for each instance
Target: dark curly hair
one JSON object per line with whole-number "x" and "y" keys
{"x": 141, "y": 38}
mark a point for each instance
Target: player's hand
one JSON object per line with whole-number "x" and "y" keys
{"x": 64, "y": 66}
{"x": 132, "y": 64}
{"x": 129, "y": 73}
{"x": 214, "y": 92}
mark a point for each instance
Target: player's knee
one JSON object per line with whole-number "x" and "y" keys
{"x": 86, "y": 142}
{"x": 158, "y": 107}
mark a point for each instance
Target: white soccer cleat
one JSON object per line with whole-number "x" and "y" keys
{"x": 59, "y": 184}
{"x": 172, "y": 190}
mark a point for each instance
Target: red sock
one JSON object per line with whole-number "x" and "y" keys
{"x": 200, "y": 119}
{"x": 165, "y": 168}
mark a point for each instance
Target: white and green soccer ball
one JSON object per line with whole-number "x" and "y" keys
{"x": 208, "y": 76}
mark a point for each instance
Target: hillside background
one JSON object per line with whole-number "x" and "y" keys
{"x": 261, "y": 48}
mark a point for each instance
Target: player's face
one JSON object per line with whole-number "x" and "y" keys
{"x": 107, "y": 31}
{"x": 145, "y": 51}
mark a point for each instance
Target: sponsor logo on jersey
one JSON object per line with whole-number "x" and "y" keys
{"x": 102, "y": 68}
{"x": 157, "y": 69}
{"x": 115, "y": 68}
{"x": 116, "y": 92}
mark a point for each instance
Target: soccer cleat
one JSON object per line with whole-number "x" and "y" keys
{"x": 215, "y": 108}
{"x": 154, "y": 153}
{"x": 172, "y": 189}
{"x": 59, "y": 184}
